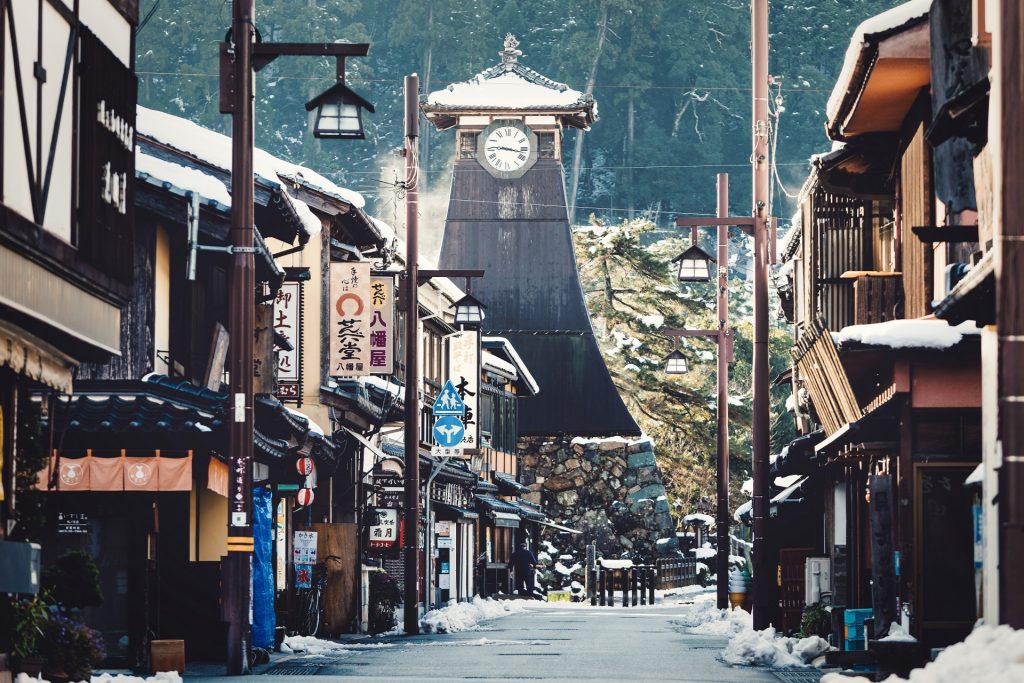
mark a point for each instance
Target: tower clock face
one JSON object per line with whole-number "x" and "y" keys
{"x": 507, "y": 149}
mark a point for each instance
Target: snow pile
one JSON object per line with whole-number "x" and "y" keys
{"x": 993, "y": 654}
{"x": 766, "y": 648}
{"x": 162, "y": 677}
{"x": 466, "y": 616}
{"x": 654, "y": 320}
{"x": 704, "y": 552}
{"x": 904, "y": 334}
{"x": 898, "y": 635}
{"x": 310, "y": 645}
{"x": 562, "y": 569}
{"x": 704, "y": 618}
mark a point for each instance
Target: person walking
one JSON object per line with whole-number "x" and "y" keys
{"x": 524, "y": 564}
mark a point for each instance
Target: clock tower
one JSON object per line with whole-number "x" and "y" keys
{"x": 507, "y": 215}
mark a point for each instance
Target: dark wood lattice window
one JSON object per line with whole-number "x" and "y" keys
{"x": 546, "y": 146}
{"x": 467, "y": 145}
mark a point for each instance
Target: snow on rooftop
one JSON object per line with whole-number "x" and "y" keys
{"x": 511, "y": 89}
{"x": 182, "y": 177}
{"x": 699, "y": 517}
{"x": 524, "y": 372}
{"x": 925, "y": 333}
{"x": 786, "y": 482}
{"x": 313, "y": 426}
{"x": 886, "y": 21}
{"x": 499, "y": 364}
{"x": 748, "y": 487}
{"x": 215, "y": 149}
{"x": 310, "y": 223}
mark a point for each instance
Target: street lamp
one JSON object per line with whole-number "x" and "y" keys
{"x": 675, "y": 362}
{"x": 469, "y": 312}
{"x": 339, "y": 113}
{"x": 694, "y": 264}
{"x": 242, "y": 54}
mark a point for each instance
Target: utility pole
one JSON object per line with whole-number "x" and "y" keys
{"x": 241, "y": 303}
{"x": 764, "y": 567}
{"x": 724, "y": 357}
{"x": 412, "y": 399}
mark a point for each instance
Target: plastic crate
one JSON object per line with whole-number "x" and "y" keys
{"x": 854, "y": 631}
{"x": 857, "y": 616}
{"x": 856, "y": 644}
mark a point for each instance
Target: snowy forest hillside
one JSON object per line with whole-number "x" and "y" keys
{"x": 671, "y": 77}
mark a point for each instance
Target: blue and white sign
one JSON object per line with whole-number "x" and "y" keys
{"x": 448, "y": 431}
{"x": 448, "y": 402}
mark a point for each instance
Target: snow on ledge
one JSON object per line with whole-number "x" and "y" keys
{"x": 699, "y": 517}
{"x": 925, "y": 333}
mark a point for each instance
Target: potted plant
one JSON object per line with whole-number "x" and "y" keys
{"x": 71, "y": 649}
{"x": 384, "y": 599}
{"x": 816, "y": 621}
{"x": 30, "y": 618}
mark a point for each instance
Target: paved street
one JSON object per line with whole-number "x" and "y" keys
{"x": 547, "y": 642}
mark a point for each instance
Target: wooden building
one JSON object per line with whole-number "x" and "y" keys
{"x": 887, "y": 228}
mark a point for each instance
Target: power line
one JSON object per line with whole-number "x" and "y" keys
{"x": 599, "y": 168}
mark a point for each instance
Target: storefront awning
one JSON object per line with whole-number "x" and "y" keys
{"x": 508, "y": 486}
{"x": 454, "y": 512}
{"x": 504, "y": 519}
{"x": 492, "y": 504}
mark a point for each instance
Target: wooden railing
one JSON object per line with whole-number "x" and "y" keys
{"x": 676, "y": 572}
{"x": 638, "y": 583}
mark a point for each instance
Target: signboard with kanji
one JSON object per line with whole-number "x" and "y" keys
{"x": 465, "y": 376}
{"x": 383, "y": 531}
{"x": 382, "y": 325}
{"x": 304, "y": 547}
{"x": 351, "y": 313}
{"x": 287, "y": 323}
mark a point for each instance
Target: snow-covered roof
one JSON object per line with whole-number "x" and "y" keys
{"x": 215, "y": 149}
{"x": 888, "y": 22}
{"x": 923, "y": 333}
{"x": 784, "y": 495}
{"x": 489, "y": 360}
{"x": 513, "y": 87}
{"x": 181, "y": 177}
{"x": 513, "y": 355}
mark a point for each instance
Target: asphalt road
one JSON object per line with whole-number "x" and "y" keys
{"x": 546, "y": 643}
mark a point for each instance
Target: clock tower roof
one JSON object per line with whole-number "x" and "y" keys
{"x": 506, "y": 88}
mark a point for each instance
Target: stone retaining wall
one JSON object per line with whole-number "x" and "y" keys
{"x": 610, "y": 489}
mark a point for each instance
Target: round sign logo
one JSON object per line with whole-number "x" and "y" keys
{"x": 304, "y": 497}
{"x": 71, "y": 473}
{"x": 305, "y": 466}
{"x": 139, "y": 474}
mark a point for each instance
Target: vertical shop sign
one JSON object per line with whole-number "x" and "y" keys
{"x": 382, "y": 325}
{"x": 351, "y": 313}
{"x": 383, "y": 533}
{"x": 288, "y": 324}
{"x": 465, "y": 375}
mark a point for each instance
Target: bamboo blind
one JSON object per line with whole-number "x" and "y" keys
{"x": 816, "y": 357}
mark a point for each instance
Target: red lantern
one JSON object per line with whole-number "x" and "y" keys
{"x": 304, "y": 497}
{"x": 305, "y": 466}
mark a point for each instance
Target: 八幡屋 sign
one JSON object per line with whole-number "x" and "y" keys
{"x": 382, "y": 325}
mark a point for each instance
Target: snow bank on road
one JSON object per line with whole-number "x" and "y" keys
{"x": 466, "y": 616}
{"x": 704, "y": 618}
{"x": 993, "y": 654}
{"x": 310, "y": 645}
{"x": 162, "y": 677}
{"x": 766, "y": 648}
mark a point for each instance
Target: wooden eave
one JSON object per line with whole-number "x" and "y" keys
{"x": 444, "y": 117}
{"x": 882, "y": 90}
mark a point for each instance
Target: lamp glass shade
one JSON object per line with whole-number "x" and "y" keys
{"x": 338, "y": 118}
{"x": 675, "y": 363}
{"x": 694, "y": 269}
{"x": 469, "y": 312}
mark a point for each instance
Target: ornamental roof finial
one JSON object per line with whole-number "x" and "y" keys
{"x": 510, "y": 54}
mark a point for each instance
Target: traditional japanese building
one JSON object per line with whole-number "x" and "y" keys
{"x": 507, "y": 215}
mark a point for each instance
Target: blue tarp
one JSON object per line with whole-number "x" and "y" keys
{"x": 263, "y": 622}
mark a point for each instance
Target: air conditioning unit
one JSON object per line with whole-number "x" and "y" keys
{"x": 817, "y": 579}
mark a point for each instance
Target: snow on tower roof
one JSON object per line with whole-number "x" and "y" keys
{"x": 513, "y": 87}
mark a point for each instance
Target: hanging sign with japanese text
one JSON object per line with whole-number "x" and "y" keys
{"x": 382, "y": 325}
{"x": 287, "y": 323}
{"x": 351, "y": 313}
{"x": 465, "y": 375}
{"x": 384, "y": 529}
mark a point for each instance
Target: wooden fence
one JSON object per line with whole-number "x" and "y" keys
{"x": 637, "y": 584}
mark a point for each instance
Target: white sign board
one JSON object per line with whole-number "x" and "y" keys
{"x": 287, "y": 323}
{"x": 465, "y": 376}
{"x": 384, "y": 532}
{"x": 304, "y": 547}
{"x": 444, "y": 542}
{"x": 351, "y": 313}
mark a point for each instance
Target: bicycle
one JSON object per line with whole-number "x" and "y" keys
{"x": 313, "y": 608}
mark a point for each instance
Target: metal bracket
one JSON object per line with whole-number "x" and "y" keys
{"x": 230, "y": 249}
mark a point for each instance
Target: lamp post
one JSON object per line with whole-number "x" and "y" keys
{"x": 469, "y": 313}
{"x": 240, "y": 56}
{"x": 694, "y": 266}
